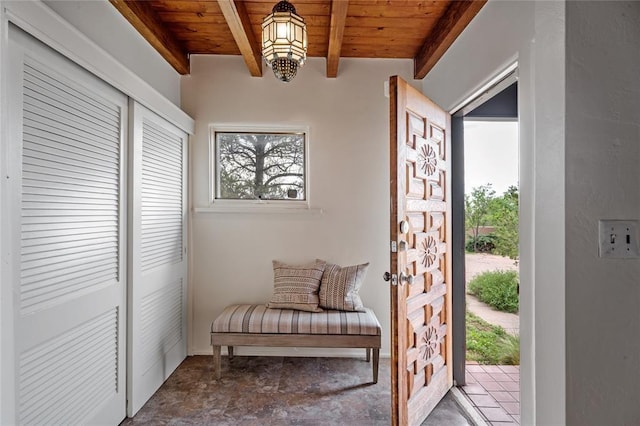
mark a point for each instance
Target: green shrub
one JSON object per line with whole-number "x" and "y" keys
{"x": 481, "y": 244}
{"x": 509, "y": 348}
{"x": 498, "y": 289}
{"x": 490, "y": 344}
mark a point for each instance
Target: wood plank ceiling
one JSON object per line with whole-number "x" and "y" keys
{"x": 418, "y": 29}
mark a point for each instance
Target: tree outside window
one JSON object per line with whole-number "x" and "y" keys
{"x": 265, "y": 166}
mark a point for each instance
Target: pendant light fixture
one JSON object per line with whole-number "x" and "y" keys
{"x": 284, "y": 41}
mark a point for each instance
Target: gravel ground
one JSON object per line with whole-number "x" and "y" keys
{"x": 476, "y": 263}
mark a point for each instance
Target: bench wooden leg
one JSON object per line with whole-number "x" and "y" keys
{"x": 230, "y": 351}
{"x": 376, "y": 360}
{"x": 216, "y": 361}
{"x": 368, "y": 354}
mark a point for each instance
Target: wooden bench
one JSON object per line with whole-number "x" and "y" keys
{"x": 257, "y": 325}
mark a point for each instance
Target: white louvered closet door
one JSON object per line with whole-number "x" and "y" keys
{"x": 158, "y": 290}
{"x": 68, "y": 235}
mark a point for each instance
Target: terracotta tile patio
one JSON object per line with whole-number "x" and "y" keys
{"x": 494, "y": 390}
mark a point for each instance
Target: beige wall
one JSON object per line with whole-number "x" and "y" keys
{"x": 348, "y": 119}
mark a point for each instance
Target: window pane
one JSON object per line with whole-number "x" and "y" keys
{"x": 266, "y": 166}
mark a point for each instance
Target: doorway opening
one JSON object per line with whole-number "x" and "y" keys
{"x": 486, "y": 302}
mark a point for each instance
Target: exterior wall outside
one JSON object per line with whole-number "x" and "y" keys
{"x": 533, "y": 34}
{"x": 104, "y": 25}
{"x": 348, "y": 118}
{"x": 483, "y": 230}
{"x": 602, "y": 181}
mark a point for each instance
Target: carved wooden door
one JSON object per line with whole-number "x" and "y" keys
{"x": 421, "y": 366}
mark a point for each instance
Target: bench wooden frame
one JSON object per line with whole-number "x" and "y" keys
{"x": 369, "y": 343}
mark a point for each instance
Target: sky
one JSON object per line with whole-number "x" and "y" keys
{"x": 490, "y": 154}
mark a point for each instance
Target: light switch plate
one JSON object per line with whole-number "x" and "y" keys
{"x": 618, "y": 239}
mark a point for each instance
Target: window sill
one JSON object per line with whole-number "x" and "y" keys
{"x": 260, "y": 208}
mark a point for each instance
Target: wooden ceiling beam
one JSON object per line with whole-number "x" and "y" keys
{"x": 336, "y": 33}
{"x": 238, "y": 21}
{"x": 144, "y": 19}
{"x": 445, "y": 32}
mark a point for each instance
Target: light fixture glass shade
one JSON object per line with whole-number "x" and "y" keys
{"x": 284, "y": 41}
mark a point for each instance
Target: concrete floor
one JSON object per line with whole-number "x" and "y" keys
{"x": 448, "y": 412}
{"x": 281, "y": 391}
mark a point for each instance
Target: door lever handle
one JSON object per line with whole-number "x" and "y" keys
{"x": 406, "y": 278}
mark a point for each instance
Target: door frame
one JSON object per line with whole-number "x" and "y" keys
{"x": 494, "y": 86}
{"x": 458, "y": 291}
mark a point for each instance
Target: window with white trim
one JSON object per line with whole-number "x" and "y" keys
{"x": 259, "y": 165}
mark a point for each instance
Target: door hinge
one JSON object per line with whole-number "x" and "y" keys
{"x": 394, "y": 247}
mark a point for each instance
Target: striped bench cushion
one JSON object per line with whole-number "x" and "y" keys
{"x": 260, "y": 319}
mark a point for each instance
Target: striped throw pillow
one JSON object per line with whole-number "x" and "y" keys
{"x": 340, "y": 286}
{"x": 296, "y": 287}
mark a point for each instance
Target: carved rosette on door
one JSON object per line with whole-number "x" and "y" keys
{"x": 425, "y": 257}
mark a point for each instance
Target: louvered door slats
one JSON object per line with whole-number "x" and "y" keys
{"x": 161, "y": 233}
{"x": 56, "y": 255}
{"x": 56, "y": 284}
{"x": 71, "y": 135}
{"x": 43, "y": 245}
{"x": 161, "y": 317}
{"x": 161, "y": 215}
{"x": 42, "y": 104}
{"x": 157, "y": 154}
{"x": 53, "y": 226}
{"x": 52, "y": 96}
{"x": 63, "y": 184}
{"x": 33, "y": 74}
{"x": 67, "y": 130}
{"x": 160, "y": 223}
{"x": 28, "y": 221}
{"x": 158, "y": 178}
{"x": 89, "y": 149}
{"x": 54, "y": 145}
{"x": 160, "y": 258}
{"x": 158, "y": 195}
{"x": 48, "y": 267}
{"x": 160, "y": 164}
{"x": 56, "y": 259}
{"x": 156, "y": 140}
{"x": 44, "y": 153}
{"x": 44, "y": 192}
{"x": 55, "y": 93}
{"x": 65, "y": 174}
{"x": 53, "y": 374}
{"x": 71, "y": 346}
{"x": 39, "y": 110}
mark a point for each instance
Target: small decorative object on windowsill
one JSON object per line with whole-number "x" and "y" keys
{"x": 284, "y": 41}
